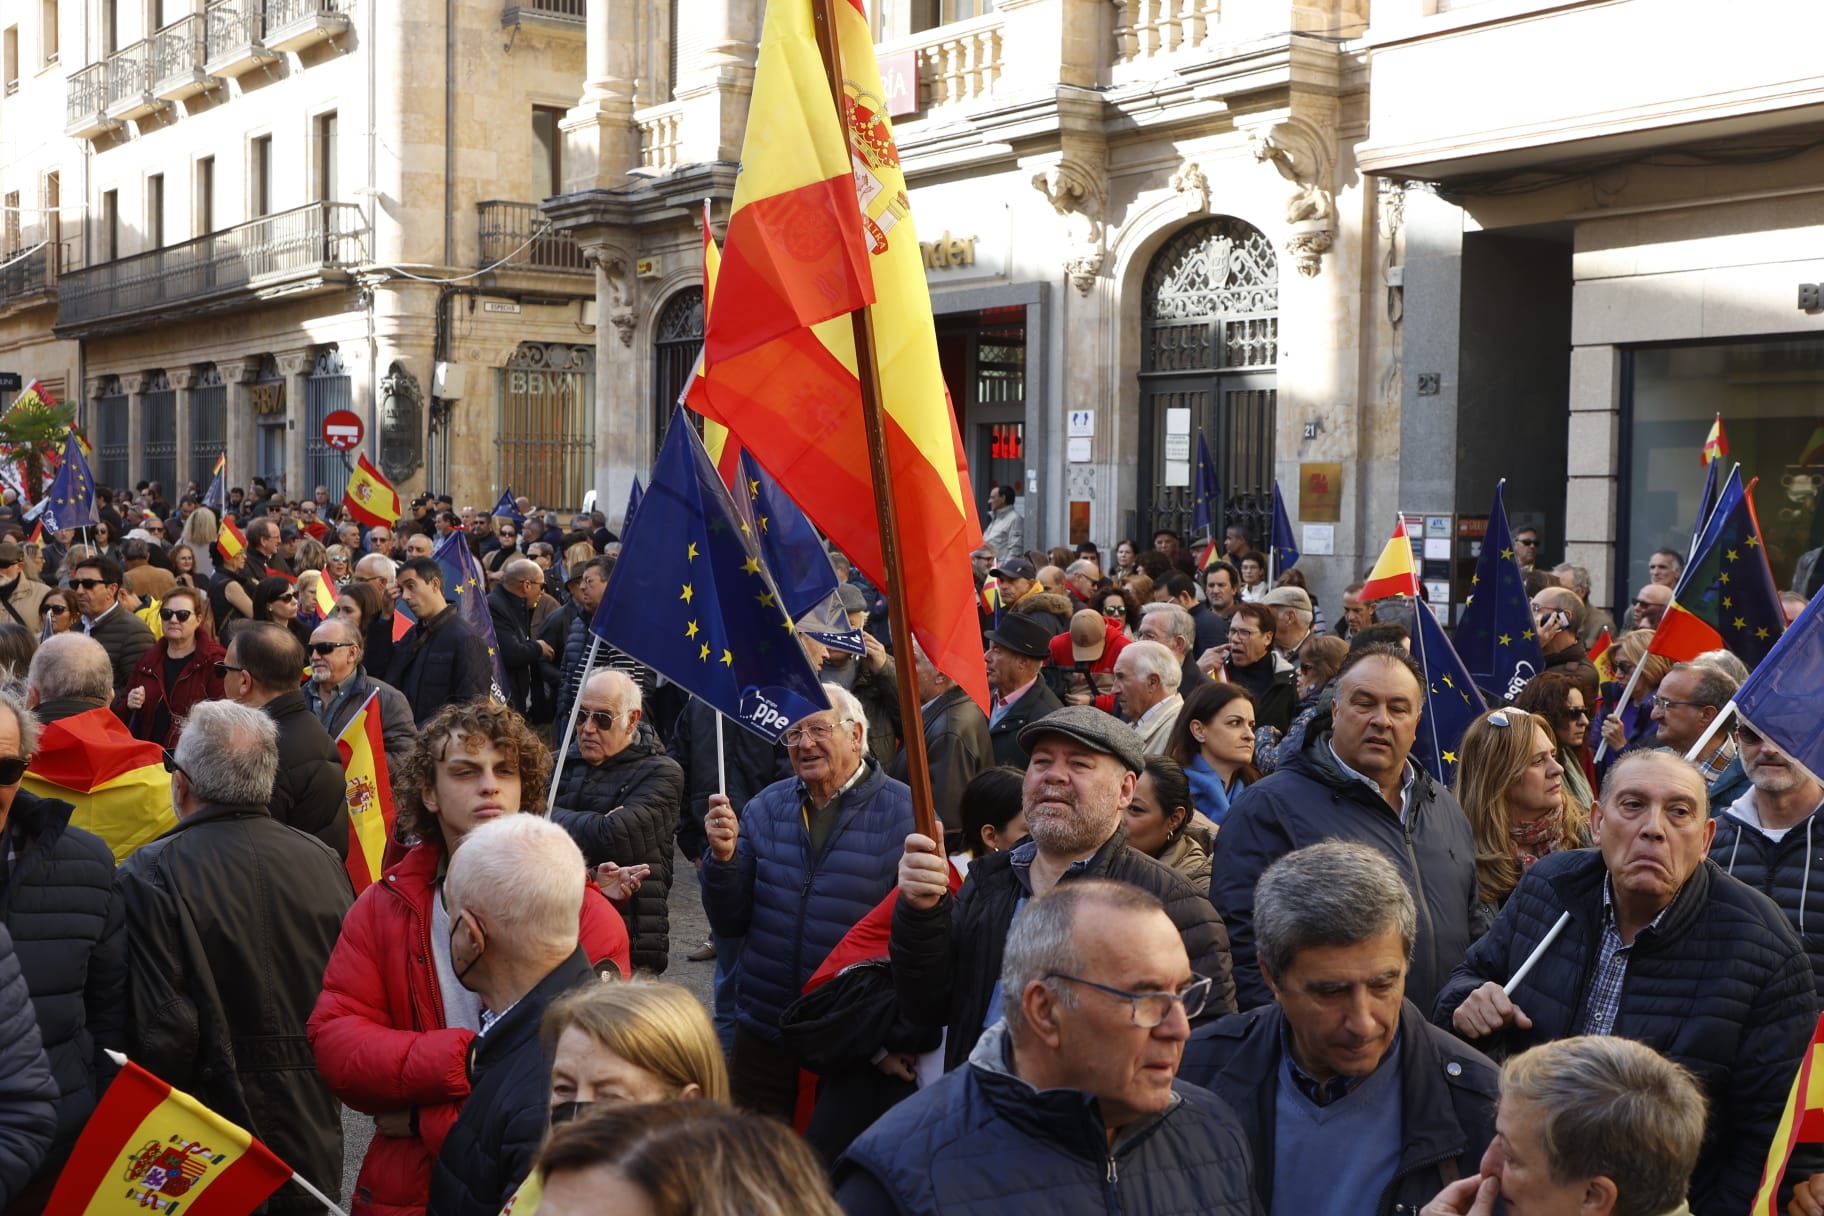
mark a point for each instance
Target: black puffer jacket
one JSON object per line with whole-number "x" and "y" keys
{"x": 1721, "y": 985}
{"x": 1308, "y": 799}
{"x": 947, "y": 959}
{"x": 1789, "y": 871}
{"x": 1447, "y": 1098}
{"x": 310, "y": 791}
{"x": 625, "y": 810}
{"x": 69, "y": 933}
{"x": 749, "y": 762}
{"x": 28, "y": 1093}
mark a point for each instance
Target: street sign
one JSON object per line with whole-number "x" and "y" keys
{"x": 11, "y": 382}
{"x": 342, "y": 430}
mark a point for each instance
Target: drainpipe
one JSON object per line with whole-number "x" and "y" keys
{"x": 449, "y": 132}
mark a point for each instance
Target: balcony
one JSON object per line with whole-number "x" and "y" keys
{"x": 178, "y": 53}
{"x": 292, "y": 25}
{"x": 32, "y": 278}
{"x": 661, "y": 135}
{"x": 129, "y": 78}
{"x": 519, "y": 234}
{"x": 233, "y": 38}
{"x": 86, "y": 104}
{"x": 957, "y": 63}
{"x": 310, "y": 248}
{"x": 564, "y": 18}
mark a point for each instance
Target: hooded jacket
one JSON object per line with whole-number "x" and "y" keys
{"x": 1310, "y": 798}
{"x": 1789, "y": 871}
{"x": 1049, "y": 608}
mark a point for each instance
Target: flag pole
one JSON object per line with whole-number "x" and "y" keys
{"x": 867, "y": 367}
{"x": 317, "y": 1195}
{"x": 1627, "y": 695}
{"x": 557, "y": 770}
{"x": 1711, "y": 731}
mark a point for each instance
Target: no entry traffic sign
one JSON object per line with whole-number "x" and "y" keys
{"x": 342, "y": 430}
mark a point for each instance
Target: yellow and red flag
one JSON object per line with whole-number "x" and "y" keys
{"x": 1599, "y": 656}
{"x": 1393, "y": 573}
{"x": 326, "y": 594}
{"x": 1716, "y": 445}
{"x": 118, "y": 784}
{"x": 1802, "y": 1123}
{"x": 723, "y": 448}
{"x": 370, "y": 793}
{"x": 229, "y": 538}
{"x": 151, "y": 1148}
{"x": 822, "y": 227}
{"x": 370, "y": 497}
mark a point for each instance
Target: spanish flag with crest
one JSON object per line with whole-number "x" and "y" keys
{"x": 370, "y": 497}
{"x": 370, "y": 793}
{"x": 229, "y": 538}
{"x": 150, "y": 1148}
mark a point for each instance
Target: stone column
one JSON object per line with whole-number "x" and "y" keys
{"x": 236, "y": 375}
{"x": 600, "y": 140}
{"x": 135, "y": 388}
{"x": 294, "y": 366}
{"x": 623, "y": 425}
{"x": 183, "y": 379}
{"x": 713, "y": 89}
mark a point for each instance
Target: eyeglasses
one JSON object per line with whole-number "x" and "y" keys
{"x": 1522, "y": 540}
{"x": 222, "y": 669}
{"x": 87, "y": 584}
{"x": 288, "y": 598}
{"x": 601, "y": 719}
{"x": 175, "y": 614}
{"x": 815, "y": 732}
{"x": 12, "y": 768}
{"x": 170, "y": 758}
{"x": 327, "y": 648}
{"x": 1746, "y": 733}
{"x": 54, "y": 609}
{"x": 1686, "y": 704}
{"x": 1149, "y": 1009}
{"x": 1646, "y": 604}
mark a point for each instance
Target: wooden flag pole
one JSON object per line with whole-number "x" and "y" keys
{"x": 867, "y": 367}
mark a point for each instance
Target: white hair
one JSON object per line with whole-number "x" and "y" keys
{"x": 230, "y": 753}
{"x": 28, "y": 722}
{"x": 1178, "y": 622}
{"x": 1152, "y": 659}
{"x": 846, "y": 706}
{"x": 618, "y": 686}
{"x": 525, "y": 877}
{"x": 71, "y": 666}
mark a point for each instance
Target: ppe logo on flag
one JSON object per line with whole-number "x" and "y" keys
{"x": 757, "y": 708}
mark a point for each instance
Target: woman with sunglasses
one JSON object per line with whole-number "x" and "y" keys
{"x": 57, "y": 612}
{"x": 1558, "y": 699}
{"x": 176, "y": 674}
{"x": 183, "y": 566}
{"x": 1119, "y": 604}
{"x": 275, "y": 599}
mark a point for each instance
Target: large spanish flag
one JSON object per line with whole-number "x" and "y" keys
{"x": 118, "y": 784}
{"x": 370, "y": 793}
{"x": 1393, "y": 573}
{"x": 151, "y": 1148}
{"x": 370, "y": 497}
{"x": 822, "y": 226}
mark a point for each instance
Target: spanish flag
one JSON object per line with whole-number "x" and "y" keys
{"x": 1716, "y": 445}
{"x": 1802, "y": 1123}
{"x": 723, "y": 448}
{"x": 1393, "y": 573}
{"x": 118, "y": 784}
{"x": 370, "y": 793}
{"x": 822, "y": 227}
{"x": 326, "y": 594}
{"x": 1599, "y": 657}
{"x": 229, "y": 538}
{"x": 151, "y": 1148}
{"x": 370, "y": 498}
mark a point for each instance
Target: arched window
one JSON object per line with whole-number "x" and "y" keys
{"x": 677, "y": 340}
{"x": 1210, "y": 343}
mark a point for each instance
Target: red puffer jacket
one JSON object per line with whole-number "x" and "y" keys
{"x": 378, "y": 1029}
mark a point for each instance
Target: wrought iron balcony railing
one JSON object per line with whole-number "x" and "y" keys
{"x": 518, "y": 233}
{"x": 86, "y": 99}
{"x": 178, "y": 54}
{"x": 35, "y": 275}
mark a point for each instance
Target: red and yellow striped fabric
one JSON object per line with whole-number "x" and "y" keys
{"x": 370, "y": 793}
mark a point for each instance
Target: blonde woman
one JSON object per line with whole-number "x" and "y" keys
{"x": 636, "y": 1041}
{"x": 200, "y": 531}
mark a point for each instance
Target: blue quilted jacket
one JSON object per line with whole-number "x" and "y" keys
{"x": 792, "y": 906}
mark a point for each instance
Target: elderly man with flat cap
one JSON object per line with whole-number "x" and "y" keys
{"x": 1016, "y": 652}
{"x": 947, "y": 950}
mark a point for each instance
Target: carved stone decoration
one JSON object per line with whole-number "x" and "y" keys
{"x": 401, "y": 423}
{"x": 1299, "y": 153}
{"x": 1074, "y": 191}
{"x": 624, "y": 323}
{"x": 616, "y": 268}
{"x": 1190, "y": 182}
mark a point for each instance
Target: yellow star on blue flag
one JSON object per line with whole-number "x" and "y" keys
{"x": 1495, "y": 636}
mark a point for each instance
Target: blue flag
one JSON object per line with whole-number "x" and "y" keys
{"x": 1285, "y": 549}
{"x": 797, "y": 560}
{"x": 465, "y": 587}
{"x": 71, "y": 502}
{"x": 691, "y": 598}
{"x": 1705, "y": 508}
{"x": 506, "y": 508}
{"x": 1726, "y": 596}
{"x": 633, "y": 503}
{"x": 1783, "y": 699}
{"x": 1451, "y": 699}
{"x": 1207, "y": 502}
{"x": 216, "y": 496}
{"x": 1496, "y": 636}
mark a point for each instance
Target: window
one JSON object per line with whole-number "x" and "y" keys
{"x": 53, "y": 223}
{"x": 12, "y": 60}
{"x": 547, "y": 152}
{"x": 325, "y": 152}
{"x": 546, "y": 422}
{"x": 205, "y": 195}
{"x": 260, "y": 176}
{"x": 47, "y": 30}
{"x": 155, "y": 211}
{"x": 12, "y": 223}
{"x": 110, "y": 225}
{"x": 110, "y": 26}
{"x": 927, "y": 14}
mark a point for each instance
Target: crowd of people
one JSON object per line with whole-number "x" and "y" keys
{"x": 1198, "y": 933}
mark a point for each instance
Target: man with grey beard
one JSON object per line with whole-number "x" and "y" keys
{"x": 947, "y": 949}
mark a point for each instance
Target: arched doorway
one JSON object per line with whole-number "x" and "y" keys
{"x": 677, "y": 340}
{"x": 1209, "y": 348}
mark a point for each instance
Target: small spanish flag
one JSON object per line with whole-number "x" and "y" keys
{"x": 1715, "y": 444}
{"x": 1599, "y": 655}
{"x": 326, "y": 594}
{"x": 1802, "y": 1123}
{"x": 370, "y": 792}
{"x": 151, "y": 1148}
{"x": 1393, "y": 573}
{"x": 370, "y": 497}
{"x": 230, "y": 539}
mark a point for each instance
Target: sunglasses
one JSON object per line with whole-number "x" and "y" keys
{"x": 12, "y": 768}
{"x": 289, "y": 597}
{"x": 54, "y": 609}
{"x": 175, "y": 614}
{"x": 1746, "y": 733}
{"x": 170, "y": 759}
{"x": 327, "y": 648}
{"x": 1574, "y": 714}
{"x": 222, "y": 669}
{"x": 87, "y": 584}
{"x": 601, "y": 718}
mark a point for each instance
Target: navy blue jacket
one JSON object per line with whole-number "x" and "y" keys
{"x": 795, "y": 908}
{"x": 1720, "y": 985}
{"x": 1308, "y": 799}
{"x": 981, "y": 1140}
{"x": 1789, "y": 871}
{"x": 441, "y": 660}
{"x": 1447, "y": 1096}
{"x": 28, "y": 1093}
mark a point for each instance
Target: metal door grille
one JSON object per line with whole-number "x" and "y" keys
{"x": 208, "y": 425}
{"x": 158, "y": 431}
{"x": 326, "y": 390}
{"x": 547, "y": 423}
{"x": 677, "y": 340}
{"x": 111, "y": 440}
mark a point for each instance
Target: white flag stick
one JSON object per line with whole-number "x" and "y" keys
{"x": 1532, "y": 959}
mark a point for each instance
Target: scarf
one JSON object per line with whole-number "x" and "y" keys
{"x": 1208, "y": 794}
{"x": 1535, "y": 838}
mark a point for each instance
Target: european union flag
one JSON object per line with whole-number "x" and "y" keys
{"x": 797, "y": 560}
{"x": 1726, "y": 596}
{"x": 506, "y": 508}
{"x": 1208, "y": 501}
{"x": 1496, "y": 636}
{"x": 216, "y": 496}
{"x": 691, "y": 599}
{"x": 1784, "y": 696}
{"x": 72, "y": 497}
{"x": 1451, "y": 699}
{"x": 1285, "y": 549}
{"x": 633, "y": 503}
{"x": 465, "y": 587}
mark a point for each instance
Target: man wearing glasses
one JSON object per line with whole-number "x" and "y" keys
{"x": 338, "y": 688}
{"x": 96, "y": 582}
{"x": 806, "y": 859}
{"x": 19, "y": 596}
{"x": 1343, "y": 1087}
{"x": 1070, "y": 1100}
{"x": 1526, "y": 548}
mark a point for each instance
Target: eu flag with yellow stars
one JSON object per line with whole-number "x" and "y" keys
{"x": 1496, "y": 635}
{"x": 465, "y": 586}
{"x": 71, "y": 502}
{"x": 691, "y": 598}
{"x": 796, "y": 559}
{"x": 1451, "y": 699}
{"x": 1726, "y": 596}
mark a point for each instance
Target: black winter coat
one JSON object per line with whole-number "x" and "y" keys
{"x": 489, "y": 1150}
{"x": 69, "y": 934}
{"x": 1448, "y": 1091}
{"x": 513, "y": 636}
{"x": 441, "y": 660}
{"x": 750, "y": 763}
{"x": 947, "y": 959}
{"x": 957, "y": 747}
{"x": 1789, "y": 871}
{"x": 625, "y": 810}
{"x": 1309, "y": 798}
{"x": 1721, "y": 985}
{"x": 310, "y": 791}
{"x": 1038, "y": 701}
{"x": 28, "y": 1092}
{"x": 125, "y": 637}
{"x": 232, "y": 917}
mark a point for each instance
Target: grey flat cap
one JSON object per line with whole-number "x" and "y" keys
{"x": 1092, "y": 728}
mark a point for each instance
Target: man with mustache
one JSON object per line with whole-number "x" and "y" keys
{"x": 1351, "y": 779}
{"x": 1660, "y": 946}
